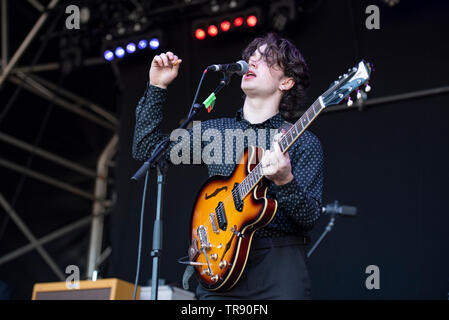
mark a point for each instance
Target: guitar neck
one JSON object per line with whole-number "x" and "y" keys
{"x": 296, "y": 130}
{"x": 285, "y": 142}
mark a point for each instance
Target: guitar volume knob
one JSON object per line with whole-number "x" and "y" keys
{"x": 214, "y": 256}
{"x": 223, "y": 264}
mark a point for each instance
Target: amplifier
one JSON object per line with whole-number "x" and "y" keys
{"x": 102, "y": 289}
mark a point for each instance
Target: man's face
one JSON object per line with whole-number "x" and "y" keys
{"x": 261, "y": 80}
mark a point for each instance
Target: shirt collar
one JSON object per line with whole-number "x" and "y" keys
{"x": 275, "y": 121}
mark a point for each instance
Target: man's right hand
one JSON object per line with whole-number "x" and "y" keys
{"x": 164, "y": 69}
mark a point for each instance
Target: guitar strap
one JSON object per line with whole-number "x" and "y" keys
{"x": 188, "y": 272}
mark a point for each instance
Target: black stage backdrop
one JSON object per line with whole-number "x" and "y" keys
{"x": 391, "y": 160}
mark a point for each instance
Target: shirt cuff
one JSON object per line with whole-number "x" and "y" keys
{"x": 155, "y": 88}
{"x": 288, "y": 190}
{"x": 153, "y": 93}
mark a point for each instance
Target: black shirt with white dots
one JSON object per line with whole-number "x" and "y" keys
{"x": 299, "y": 201}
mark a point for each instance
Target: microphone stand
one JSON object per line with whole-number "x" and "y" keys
{"x": 326, "y": 231}
{"x": 333, "y": 210}
{"x": 157, "y": 160}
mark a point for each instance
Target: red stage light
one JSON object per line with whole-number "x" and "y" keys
{"x": 200, "y": 34}
{"x": 212, "y": 30}
{"x": 225, "y": 25}
{"x": 238, "y": 21}
{"x": 251, "y": 21}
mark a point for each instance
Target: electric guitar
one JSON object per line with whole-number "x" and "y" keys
{"x": 228, "y": 210}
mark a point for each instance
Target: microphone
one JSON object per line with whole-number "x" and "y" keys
{"x": 336, "y": 209}
{"x": 240, "y": 67}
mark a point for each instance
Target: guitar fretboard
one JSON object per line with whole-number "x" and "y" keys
{"x": 285, "y": 142}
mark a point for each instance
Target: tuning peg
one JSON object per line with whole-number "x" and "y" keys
{"x": 349, "y": 103}
{"x": 359, "y": 95}
{"x": 367, "y": 88}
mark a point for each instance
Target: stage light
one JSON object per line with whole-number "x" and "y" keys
{"x": 130, "y": 47}
{"x": 391, "y": 3}
{"x": 109, "y": 55}
{"x": 251, "y": 21}
{"x": 154, "y": 43}
{"x": 281, "y": 13}
{"x": 279, "y": 21}
{"x": 84, "y": 15}
{"x": 212, "y": 30}
{"x": 238, "y": 21}
{"x": 119, "y": 52}
{"x": 200, "y": 34}
{"x": 225, "y": 25}
{"x": 142, "y": 44}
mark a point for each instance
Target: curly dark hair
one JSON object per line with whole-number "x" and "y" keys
{"x": 283, "y": 53}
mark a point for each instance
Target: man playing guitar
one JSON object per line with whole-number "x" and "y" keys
{"x": 274, "y": 90}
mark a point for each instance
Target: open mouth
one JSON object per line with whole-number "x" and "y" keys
{"x": 250, "y": 74}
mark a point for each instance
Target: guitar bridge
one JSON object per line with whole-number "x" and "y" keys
{"x": 212, "y": 221}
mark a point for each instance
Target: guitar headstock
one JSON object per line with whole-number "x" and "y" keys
{"x": 348, "y": 83}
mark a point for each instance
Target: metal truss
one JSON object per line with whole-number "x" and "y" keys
{"x": 27, "y": 79}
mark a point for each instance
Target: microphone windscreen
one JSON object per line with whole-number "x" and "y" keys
{"x": 245, "y": 67}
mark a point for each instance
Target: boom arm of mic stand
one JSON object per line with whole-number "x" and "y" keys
{"x": 326, "y": 231}
{"x": 162, "y": 147}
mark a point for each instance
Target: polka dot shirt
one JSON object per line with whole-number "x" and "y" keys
{"x": 299, "y": 201}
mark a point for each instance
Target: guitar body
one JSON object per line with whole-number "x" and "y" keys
{"x": 222, "y": 230}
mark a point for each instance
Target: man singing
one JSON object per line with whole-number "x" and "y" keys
{"x": 274, "y": 88}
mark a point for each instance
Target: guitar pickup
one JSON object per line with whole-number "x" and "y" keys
{"x": 221, "y": 216}
{"x": 238, "y": 202}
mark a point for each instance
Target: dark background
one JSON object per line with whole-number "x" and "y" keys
{"x": 389, "y": 160}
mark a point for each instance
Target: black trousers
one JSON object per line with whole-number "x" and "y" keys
{"x": 276, "y": 269}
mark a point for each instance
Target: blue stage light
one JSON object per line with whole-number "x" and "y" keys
{"x": 119, "y": 52}
{"x": 142, "y": 44}
{"x": 130, "y": 47}
{"x": 109, "y": 55}
{"x": 154, "y": 43}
